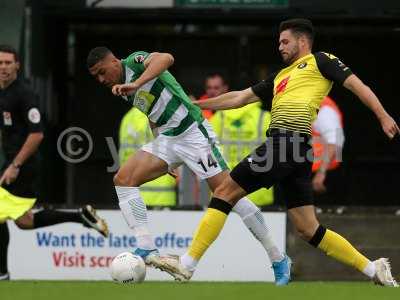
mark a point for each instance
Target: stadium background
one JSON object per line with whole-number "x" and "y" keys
{"x": 55, "y": 36}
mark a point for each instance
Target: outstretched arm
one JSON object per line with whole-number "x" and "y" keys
{"x": 154, "y": 65}
{"x": 229, "y": 100}
{"x": 368, "y": 97}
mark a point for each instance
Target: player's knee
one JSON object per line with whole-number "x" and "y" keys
{"x": 226, "y": 192}
{"x": 221, "y": 191}
{"x": 22, "y": 225}
{"x": 25, "y": 221}
{"x": 305, "y": 232}
{"x": 123, "y": 178}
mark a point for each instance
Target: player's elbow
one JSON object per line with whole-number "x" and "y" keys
{"x": 165, "y": 59}
{"x": 169, "y": 58}
{"x": 354, "y": 84}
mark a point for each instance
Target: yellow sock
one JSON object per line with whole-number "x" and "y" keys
{"x": 208, "y": 230}
{"x": 339, "y": 248}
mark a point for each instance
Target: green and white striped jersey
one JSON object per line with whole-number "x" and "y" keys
{"x": 162, "y": 99}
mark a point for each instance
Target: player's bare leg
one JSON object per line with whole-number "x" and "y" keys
{"x": 304, "y": 220}
{"x": 334, "y": 245}
{"x": 140, "y": 168}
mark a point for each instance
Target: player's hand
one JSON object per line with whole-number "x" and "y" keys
{"x": 198, "y": 103}
{"x": 318, "y": 182}
{"x": 126, "y": 89}
{"x": 9, "y": 175}
{"x": 389, "y": 126}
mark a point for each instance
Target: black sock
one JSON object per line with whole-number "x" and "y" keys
{"x": 49, "y": 217}
{"x": 220, "y": 205}
{"x": 4, "y": 240}
{"x": 318, "y": 236}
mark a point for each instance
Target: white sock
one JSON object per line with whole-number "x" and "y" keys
{"x": 135, "y": 214}
{"x": 370, "y": 270}
{"x": 254, "y": 220}
{"x": 188, "y": 262}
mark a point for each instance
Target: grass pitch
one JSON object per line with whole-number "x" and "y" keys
{"x": 74, "y": 290}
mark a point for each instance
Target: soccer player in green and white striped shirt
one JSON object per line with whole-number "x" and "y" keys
{"x": 182, "y": 136}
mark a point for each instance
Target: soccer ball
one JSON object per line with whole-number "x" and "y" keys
{"x": 128, "y": 268}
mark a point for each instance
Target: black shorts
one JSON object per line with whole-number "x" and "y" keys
{"x": 284, "y": 159}
{"x": 24, "y": 185}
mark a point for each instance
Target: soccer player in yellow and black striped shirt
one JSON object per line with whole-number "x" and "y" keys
{"x": 285, "y": 158}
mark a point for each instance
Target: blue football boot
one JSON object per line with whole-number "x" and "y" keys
{"x": 149, "y": 256}
{"x": 282, "y": 270}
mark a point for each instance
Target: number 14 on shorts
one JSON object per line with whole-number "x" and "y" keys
{"x": 211, "y": 162}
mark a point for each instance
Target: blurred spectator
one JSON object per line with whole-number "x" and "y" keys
{"x": 239, "y": 132}
{"x": 215, "y": 85}
{"x": 133, "y": 134}
{"x": 328, "y": 140}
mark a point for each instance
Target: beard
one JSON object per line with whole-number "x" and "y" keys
{"x": 291, "y": 56}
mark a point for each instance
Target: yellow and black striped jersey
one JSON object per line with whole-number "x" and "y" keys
{"x": 297, "y": 90}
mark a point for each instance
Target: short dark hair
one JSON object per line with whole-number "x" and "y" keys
{"x": 298, "y": 27}
{"x": 216, "y": 74}
{"x": 96, "y": 54}
{"x": 10, "y": 49}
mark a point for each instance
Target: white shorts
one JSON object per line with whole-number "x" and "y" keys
{"x": 195, "y": 148}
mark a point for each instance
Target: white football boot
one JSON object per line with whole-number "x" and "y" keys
{"x": 172, "y": 265}
{"x": 383, "y": 274}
